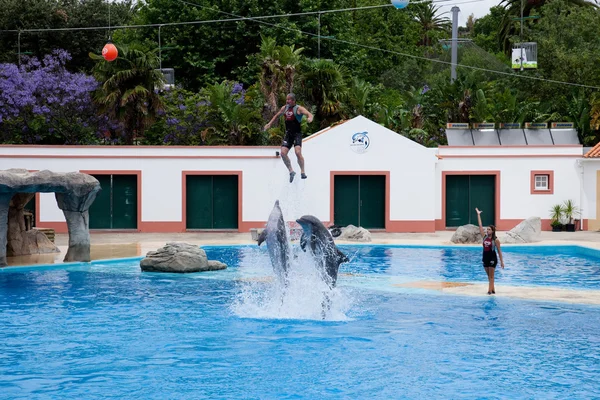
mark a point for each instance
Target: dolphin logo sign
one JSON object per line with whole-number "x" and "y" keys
{"x": 360, "y": 142}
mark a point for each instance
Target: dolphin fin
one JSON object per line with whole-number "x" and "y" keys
{"x": 303, "y": 242}
{"x": 262, "y": 237}
{"x": 342, "y": 258}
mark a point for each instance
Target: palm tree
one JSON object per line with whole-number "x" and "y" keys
{"x": 278, "y": 72}
{"x": 324, "y": 86}
{"x": 128, "y": 89}
{"x": 431, "y": 22}
{"x": 512, "y": 9}
{"x": 359, "y": 92}
{"x": 231, "y": 122}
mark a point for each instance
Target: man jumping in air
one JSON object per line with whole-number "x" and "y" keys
{"x": 293, "y": 135}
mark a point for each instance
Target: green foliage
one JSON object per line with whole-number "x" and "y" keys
{"x": 33, "y": 14}
{"x": 230, "y": 120}
{"x": 128, "y": 90}
{"x": 377, "y": 63}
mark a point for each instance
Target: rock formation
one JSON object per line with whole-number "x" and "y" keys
{"x": 467, "y": 234}
{"x": 20, "y": 241}
{"x": 179, "y": 257}
{"x": 75, "y": 192}
{"x": 355, "y": 234}
{"x": 528, "y": 231}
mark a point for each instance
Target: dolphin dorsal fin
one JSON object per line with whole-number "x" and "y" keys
{"x": 262, "y": 237}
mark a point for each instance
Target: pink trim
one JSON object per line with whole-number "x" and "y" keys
{"x": 129, "y": 156}
{"x": 184, "y": 174}
{"x": 506, "y": 224}
{"x": 512, "y": 156}
{"x": 45, "y": 146}
{"x": 411, "y": 226}
{"x": 496, "y": 199}
{"x": 550, "y": 182}
{"x": 162, "y": 226}
{"x": 515, "y": 146}
{"x": 314, "y": 135}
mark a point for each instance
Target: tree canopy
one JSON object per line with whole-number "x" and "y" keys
{"x": 387, "y": 64}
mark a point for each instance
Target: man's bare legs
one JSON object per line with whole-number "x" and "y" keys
{"x": 286, "y": 158}
{"x": 300, "y": 157}
{"x": 287, "y": 162}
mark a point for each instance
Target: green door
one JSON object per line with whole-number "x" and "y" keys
{"x": 464, "y": 193}
{"x": 372, "y": 201}
{"x": 211, "y": 202}
{"x": 198, "y": 202}
{"x": 482, "y": 194}
{"x": 225, "y": 202}
{"x": 100, "y": 210}
{"x": 124, "y": 201}
{"x": 115, "y": 206}
{"x": 359, "y": 200}
{"x": 457, "y": 200}
{"x": 346, "y": 200}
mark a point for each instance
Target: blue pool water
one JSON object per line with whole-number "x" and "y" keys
{"x": 108, "y": 331}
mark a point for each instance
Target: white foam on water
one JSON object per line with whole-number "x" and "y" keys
{"x": 307, "y": 296}
{"x": 306, "y": 292}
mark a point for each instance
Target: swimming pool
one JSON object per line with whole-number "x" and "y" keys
{"x": 106, "y": 330}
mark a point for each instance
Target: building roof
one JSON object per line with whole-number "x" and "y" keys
{"x": 594, "y": 152}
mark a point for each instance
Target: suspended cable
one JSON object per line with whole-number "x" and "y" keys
{"x": 258, "y": 19}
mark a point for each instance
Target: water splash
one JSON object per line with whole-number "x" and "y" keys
{"x": 306, "y": 296}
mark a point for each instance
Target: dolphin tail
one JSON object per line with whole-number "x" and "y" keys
{"x": 262, "y": 237}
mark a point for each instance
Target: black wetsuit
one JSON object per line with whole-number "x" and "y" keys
{"x": 293, "y": 133}
{"x": 490, "y": 258}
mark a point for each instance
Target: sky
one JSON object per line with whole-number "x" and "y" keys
{"x": 478, "y": 8}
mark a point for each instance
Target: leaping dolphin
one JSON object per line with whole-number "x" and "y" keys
{"x": 322, "y": 247}
{"x": 277, "y": 244}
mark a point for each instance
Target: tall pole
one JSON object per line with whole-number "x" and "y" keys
{"x": 159, "y": 49}
{"x": 455, "y": 11}
{"x": 19, "y": 47}
{"x": 521, "y": 35}
{"x": 319, "y": 36}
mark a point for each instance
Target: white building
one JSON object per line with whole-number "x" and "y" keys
{"x": 358, "y": 173}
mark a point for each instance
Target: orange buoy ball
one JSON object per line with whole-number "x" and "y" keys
{"x": 110, "y": 52}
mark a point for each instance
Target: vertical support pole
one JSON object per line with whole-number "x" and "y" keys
{"x": 455, "y": 11}
{"x": 521, "y": 35}
{"x": 319, "y": 37}
{"x": 159, "y": 50}
{"x": 19, "y": 48}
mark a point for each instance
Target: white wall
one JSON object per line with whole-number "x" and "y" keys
{"x": 411, "y": 166}
{"x": 415, "y": 175}
{"x": 161, "y": 177}
{"x": 590, "y": 168}
{"x": 515, "y": 165}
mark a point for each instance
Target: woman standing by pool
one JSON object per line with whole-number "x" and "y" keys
{"x": 490, "y": 259}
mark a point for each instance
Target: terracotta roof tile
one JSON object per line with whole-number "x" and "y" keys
{"x": 594, "y": 152}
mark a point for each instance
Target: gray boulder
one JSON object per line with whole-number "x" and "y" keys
{"x": 179, "y": 257}
{"x": 355, "y": 234}
{"x": 467, "y": 234}
{"x": 528, "y": 231}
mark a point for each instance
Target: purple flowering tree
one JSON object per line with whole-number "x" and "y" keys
{"x": 182, "y": 122}
{"x": 42, "y": 102}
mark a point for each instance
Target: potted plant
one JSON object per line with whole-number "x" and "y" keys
{"x": 556, "y": 213}
{"x": 570, "y": 210}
